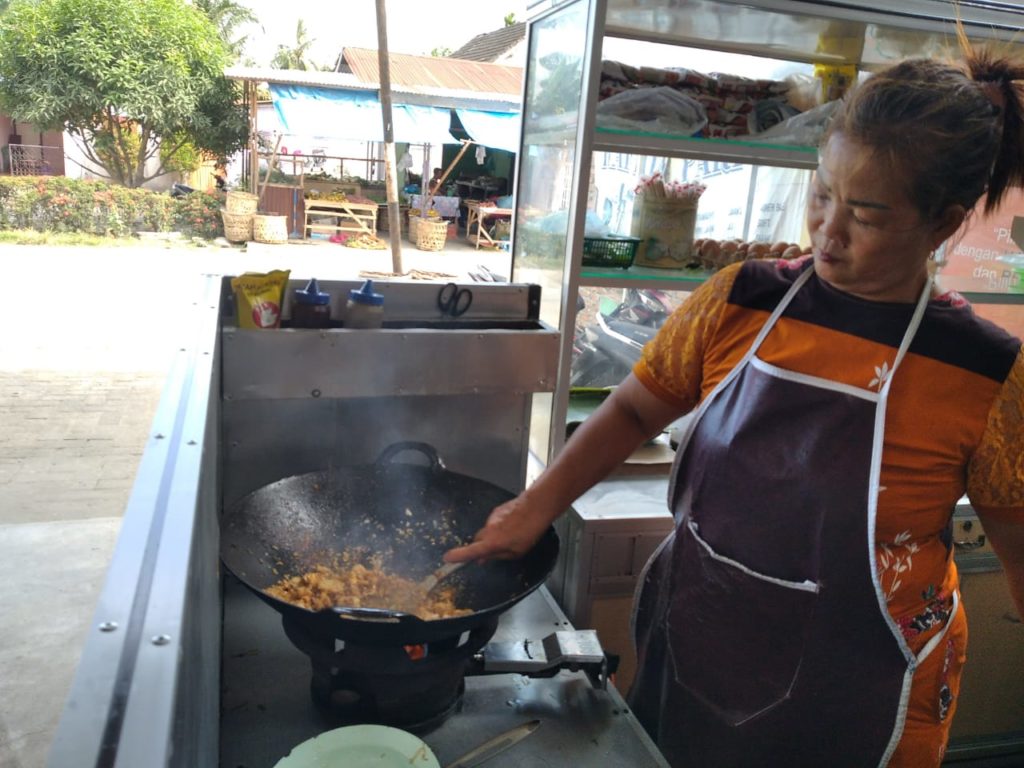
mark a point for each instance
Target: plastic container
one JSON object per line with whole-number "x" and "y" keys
{"x": 311, "y": 307}
{"x": 364, "y": 309}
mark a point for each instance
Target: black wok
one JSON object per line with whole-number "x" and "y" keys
{"x": 288, "y": 527}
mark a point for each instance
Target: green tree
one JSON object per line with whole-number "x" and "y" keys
{"x": 129, "y": 80}
{"x": 441, "y": 52}
{"x": 510, "y": 19}
{"x": 228, "y": 16}
{"x": 297, "y": 56}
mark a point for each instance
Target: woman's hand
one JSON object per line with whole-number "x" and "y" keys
{"x": 510, "y": 532}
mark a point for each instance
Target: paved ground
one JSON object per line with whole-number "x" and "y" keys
{"x": 87, "y": 337}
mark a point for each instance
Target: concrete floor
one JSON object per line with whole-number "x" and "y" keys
{"x": 88, "y": 335}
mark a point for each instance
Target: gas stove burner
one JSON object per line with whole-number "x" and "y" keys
{"x": 414, "y": 687}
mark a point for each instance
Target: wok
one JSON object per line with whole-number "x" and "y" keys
{"x": 408, "y": 514}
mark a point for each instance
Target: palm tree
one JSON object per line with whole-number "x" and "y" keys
{"x": 296, "y": 57}
{"x": 228, "y": 16}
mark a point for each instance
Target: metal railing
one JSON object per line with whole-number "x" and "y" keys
{"x": 32, "y": 160}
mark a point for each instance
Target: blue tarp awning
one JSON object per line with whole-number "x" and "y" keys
{"x": 499, "y": 130}
{"x": 305, "y": 110}
{"x": 330, "y": 112}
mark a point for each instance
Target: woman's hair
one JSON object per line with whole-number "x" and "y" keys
{"x": 954, "y": 131}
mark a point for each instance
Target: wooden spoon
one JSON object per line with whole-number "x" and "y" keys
{"x": 432, "y": 580}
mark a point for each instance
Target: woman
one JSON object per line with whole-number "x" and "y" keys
{"x": 805, "y": 610}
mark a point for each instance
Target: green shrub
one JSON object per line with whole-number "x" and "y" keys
{"x": 59, "y": 204}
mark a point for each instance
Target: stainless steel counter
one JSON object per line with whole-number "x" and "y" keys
{"x": 267, "y": 708}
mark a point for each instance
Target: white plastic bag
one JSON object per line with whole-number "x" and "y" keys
{"x": 661, "y": 109}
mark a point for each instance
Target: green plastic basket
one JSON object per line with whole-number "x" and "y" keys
{"x": 612, "y": 251}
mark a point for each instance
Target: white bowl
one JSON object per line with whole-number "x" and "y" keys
{"x": 361, "y": 746}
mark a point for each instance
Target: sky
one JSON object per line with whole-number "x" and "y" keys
{"x": 414, "y": 26}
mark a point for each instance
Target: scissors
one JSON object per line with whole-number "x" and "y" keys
{"x": 454, "y": 301}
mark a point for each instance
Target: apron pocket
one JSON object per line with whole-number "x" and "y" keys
{"x": 736, "y": 637}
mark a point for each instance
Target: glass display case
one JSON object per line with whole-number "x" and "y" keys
{"x": 564, "y": 165}
{"x": 575, "y": 170}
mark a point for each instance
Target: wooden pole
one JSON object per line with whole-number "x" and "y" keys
{"x": 444, "y": 176}
{"x": 254, "y": 144}
{"x": 270, "y": 170}
{"x": 394, "y": 217}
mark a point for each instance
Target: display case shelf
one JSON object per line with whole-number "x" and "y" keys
{"x": 644, "y": 277}
{"x": 667, "y": 145}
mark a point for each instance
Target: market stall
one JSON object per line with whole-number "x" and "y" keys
{"x": 340, "y": 216}
{"x": 477, "y": 214}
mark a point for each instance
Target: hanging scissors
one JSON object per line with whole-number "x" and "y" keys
{"x": 454, "y": 301}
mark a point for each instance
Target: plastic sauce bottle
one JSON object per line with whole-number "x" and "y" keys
{"x": 364, "y": 309}
{"x": 311, "y": 307}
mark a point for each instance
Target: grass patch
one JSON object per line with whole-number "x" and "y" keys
{"x": 32, "y": 237}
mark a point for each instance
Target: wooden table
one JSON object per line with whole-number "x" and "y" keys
{"x": 348, "y": 216}
{"x": 477, "y": 213}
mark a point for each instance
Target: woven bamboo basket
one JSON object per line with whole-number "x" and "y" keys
{"x": 237, "y": 226}
{"x": 411, "y": 231}
{"x": 241, "y": 202}
{"x": 269, "y": 228}
{"x": 430, "y": 234}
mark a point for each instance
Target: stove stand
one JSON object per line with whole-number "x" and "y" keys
{"x": 414, "y": 687}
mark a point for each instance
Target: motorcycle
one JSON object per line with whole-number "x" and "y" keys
{"x": 605, "y": 352}
{"x": 181, "y": 190}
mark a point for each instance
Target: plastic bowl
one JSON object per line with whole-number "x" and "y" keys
{"x": 361, "y": 746}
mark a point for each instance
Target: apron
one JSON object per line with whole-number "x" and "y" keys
{"x": 762, "y": 632}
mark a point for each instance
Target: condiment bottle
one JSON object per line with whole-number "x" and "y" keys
{"x": 364, "y": 309}
{"x": 311, "y": 307}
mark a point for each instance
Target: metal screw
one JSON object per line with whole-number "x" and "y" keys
{"x": 315, "y": 393}
{"x": 108, "y": 626}
{"x": 161, "y": 640}
{"x": 159, "y": 437}
{"x": 191, "y": 442}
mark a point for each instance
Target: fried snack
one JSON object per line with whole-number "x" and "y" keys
{"x": 358, "y": 586}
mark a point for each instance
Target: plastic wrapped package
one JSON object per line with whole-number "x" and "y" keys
{"x": 804, "y": 129}
{"x": 659, "y": 109}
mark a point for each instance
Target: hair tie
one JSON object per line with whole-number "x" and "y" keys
{"x": 995, "y": 93}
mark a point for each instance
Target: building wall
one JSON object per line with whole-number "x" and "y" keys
{"x": 51, "y": 156}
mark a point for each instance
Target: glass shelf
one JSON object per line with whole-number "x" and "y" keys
{"x": 668, "y": 145}
{"x": 644, "y": 277}
{"x": 839, "y": 32}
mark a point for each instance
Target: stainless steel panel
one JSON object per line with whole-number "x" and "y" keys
{"x": 143, "y": 691}
{"x": 408, "y": 301}
{"x": 849, "y": 31}
{"x": 990, "y": 715}
{"x": 267, "y": 364}
{"x": 265, "y": 440}
{"x": 267, "y": 708}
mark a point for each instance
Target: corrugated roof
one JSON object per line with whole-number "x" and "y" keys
{"x": 299, "y": 77}
{"x": 437, "y": 72}
{"x": 404, "y": 94}
{"x": 491, "y": 45}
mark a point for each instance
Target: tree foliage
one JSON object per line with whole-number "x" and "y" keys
{"x": 130, "y": 80}
{"x": 229, "y": 17}
{"x": 297, "y": 56}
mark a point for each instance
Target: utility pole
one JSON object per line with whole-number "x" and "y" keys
{"x": 394, "y": 216}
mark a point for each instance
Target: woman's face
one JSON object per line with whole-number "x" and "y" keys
{"x": 868, "y": 238}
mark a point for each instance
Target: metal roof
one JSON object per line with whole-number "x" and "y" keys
{"x": 422, "y": 95}
{"x": 491, "y": 45}
{"x": 437, "y": 72}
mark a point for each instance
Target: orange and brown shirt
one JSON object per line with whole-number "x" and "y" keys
{"x": 955, "y": 415}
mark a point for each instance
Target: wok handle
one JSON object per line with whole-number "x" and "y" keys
{"x": 378, "y": 615}
{"x": 389, "y": 453}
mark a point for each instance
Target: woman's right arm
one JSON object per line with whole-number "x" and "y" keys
{"x": 630, "y": 416}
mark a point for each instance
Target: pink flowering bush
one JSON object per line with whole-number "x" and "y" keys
{"x": 59, "y": 204}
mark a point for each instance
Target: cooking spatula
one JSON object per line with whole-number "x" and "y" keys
{"x": 442, "y": 573}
